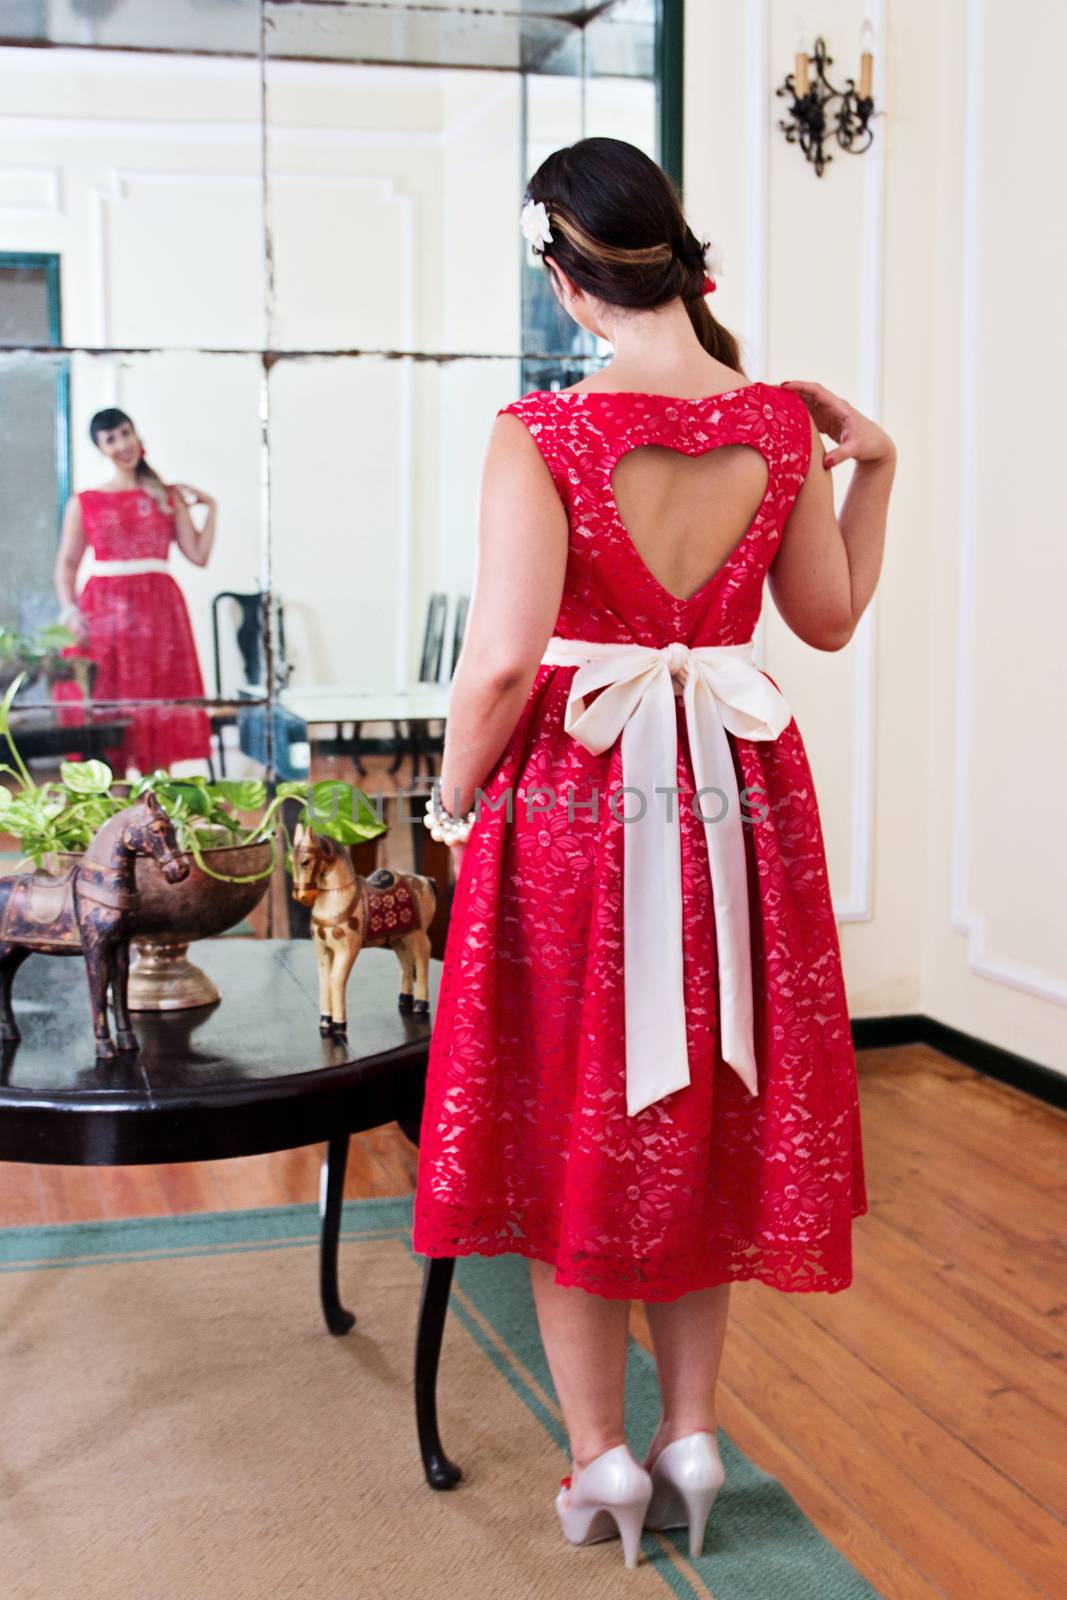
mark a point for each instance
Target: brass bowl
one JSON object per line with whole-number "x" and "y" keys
{"x": 171, "y": 915}
{"x": 200, "y": 905}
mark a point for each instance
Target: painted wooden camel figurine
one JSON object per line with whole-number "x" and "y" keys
{"x": 350, "y": 912}
{"x": 90, "y": 910}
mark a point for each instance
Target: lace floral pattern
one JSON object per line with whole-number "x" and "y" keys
{"x": 526, "y": 1145}
{"x": 125, "y": 524}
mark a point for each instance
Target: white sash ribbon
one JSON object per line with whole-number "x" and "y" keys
{"x": 121, "y": 569}
{"x": 723, "y": 692}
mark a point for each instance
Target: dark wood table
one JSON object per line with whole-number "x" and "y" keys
{"x": 243, "y": 1077}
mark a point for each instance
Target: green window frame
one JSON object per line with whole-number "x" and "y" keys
{"x": 33, "y": 261}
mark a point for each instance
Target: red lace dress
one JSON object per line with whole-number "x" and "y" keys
{"x": 139, "y": 633}
{"x": 526, "y": 1145}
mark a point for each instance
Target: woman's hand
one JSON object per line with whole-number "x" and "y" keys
{"x": 75, "y": 621}
{"x": 456, "y": 852}
{"x": 191, "y": 496}
{"x": 858, "y": 438}
{"x": 193, "y": 542}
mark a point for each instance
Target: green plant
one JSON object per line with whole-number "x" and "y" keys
{"x": 30, "y": 650}
{"x": 62, "y": 815}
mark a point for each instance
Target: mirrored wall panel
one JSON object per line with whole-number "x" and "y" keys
{"x": 186, "y": 27}
{"x": 403, "y": 134}
{"x": 375, "y": 467}
{"x": 140, "y": 173}
{"x": 134, "y": 513}
{"x": 275, "y": 246}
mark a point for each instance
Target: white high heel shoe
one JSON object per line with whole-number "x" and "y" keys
{"x": 687, "y": 1476}
{"x": 612, "y": 1495}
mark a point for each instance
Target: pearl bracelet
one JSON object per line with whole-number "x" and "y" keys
{"x": 445, "y": 828}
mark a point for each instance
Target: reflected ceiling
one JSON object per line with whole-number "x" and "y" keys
{"x": 541, "y": 36}
{"x": 607, "y": 37}
{"x": 203, "y": 27}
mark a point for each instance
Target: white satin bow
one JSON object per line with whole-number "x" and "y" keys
{"x": 723, "y": 691}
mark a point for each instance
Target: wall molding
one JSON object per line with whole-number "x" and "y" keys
{"x": 972, "y": 924}
{"x": 757, "y": 177}
{"x": 116, "y": 192}
{"x": 757, "y": 278}
{"x": 856, "y": 904}
{"x": 50, "y": 180}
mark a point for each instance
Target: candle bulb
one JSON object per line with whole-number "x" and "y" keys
{"x": 866, "y": 59}
{"x": 800, "y": 76}
{"x": 866, "y": 64}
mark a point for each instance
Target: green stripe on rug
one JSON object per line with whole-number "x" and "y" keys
{"x": 759, "y": 1542}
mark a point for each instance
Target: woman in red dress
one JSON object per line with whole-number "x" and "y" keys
{"x": 642, "y": 1075}
{"x": 130, "y": 617}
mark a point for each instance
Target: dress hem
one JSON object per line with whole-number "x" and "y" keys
{"x": 650, "y": 1293}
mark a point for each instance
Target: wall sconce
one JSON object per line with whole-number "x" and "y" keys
{"x": 810, "y": 121}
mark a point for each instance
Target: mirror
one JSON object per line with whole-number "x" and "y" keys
{"x": 152, "y": 623}
{"x": 283, "y": 239}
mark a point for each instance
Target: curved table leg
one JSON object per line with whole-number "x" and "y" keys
{"x": 441, "y": 1473}
{"x": 338, "y": 1320}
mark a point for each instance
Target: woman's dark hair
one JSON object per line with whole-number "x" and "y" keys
{"x": 619, "y": 233}
{"x": 111, "y": 417}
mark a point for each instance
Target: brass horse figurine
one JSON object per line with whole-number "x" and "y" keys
{"x": 350, "y": 912}
{"x": 90, "y": 910}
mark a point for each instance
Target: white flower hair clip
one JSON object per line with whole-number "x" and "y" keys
{"x": 533, "y": 220}
{"x": 712, "y": 266}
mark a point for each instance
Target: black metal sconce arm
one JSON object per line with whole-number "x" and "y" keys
{"x": 811, "y": 121}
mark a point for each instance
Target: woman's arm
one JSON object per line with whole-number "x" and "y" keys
{"x": 65, "y": 572}
{"x": 193, "y": 542}
{"x": 827, "y": 567}
{"x": 518, "y": 586}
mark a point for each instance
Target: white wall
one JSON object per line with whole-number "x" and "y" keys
{"x": 938, "y": 752}
{"x": 995, "y": 955}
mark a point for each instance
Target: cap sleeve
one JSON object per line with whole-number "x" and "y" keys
{"x": 803, "y": 431}
{"x": 540, "y": 416}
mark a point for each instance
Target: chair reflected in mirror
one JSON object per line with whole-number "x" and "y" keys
{"x": 426, "y": 738}
{"x": 459, "y": 628}
{"x": 415, "y": 739}
{"x": 239, "y": 640}
{"x": 419, "y": 739}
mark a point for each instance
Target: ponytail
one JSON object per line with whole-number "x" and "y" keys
{"x": 717, "y": 340}
{"x": 153, "y": 484}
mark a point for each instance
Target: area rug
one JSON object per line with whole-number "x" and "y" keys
{"x": 178, "y": 1425}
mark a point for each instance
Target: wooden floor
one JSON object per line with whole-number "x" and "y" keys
{"x": 919, "y": 1418}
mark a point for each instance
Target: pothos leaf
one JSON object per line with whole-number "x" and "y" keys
{"x": 190, "y": 798}
{"x": 245, "y": 794}
{"x": 6, "y": 703}
{"x": 343, "y": 812}
{"x": 86, "y": 777}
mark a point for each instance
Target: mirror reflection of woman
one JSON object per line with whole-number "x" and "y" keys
{"x": 130, "y": 616}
